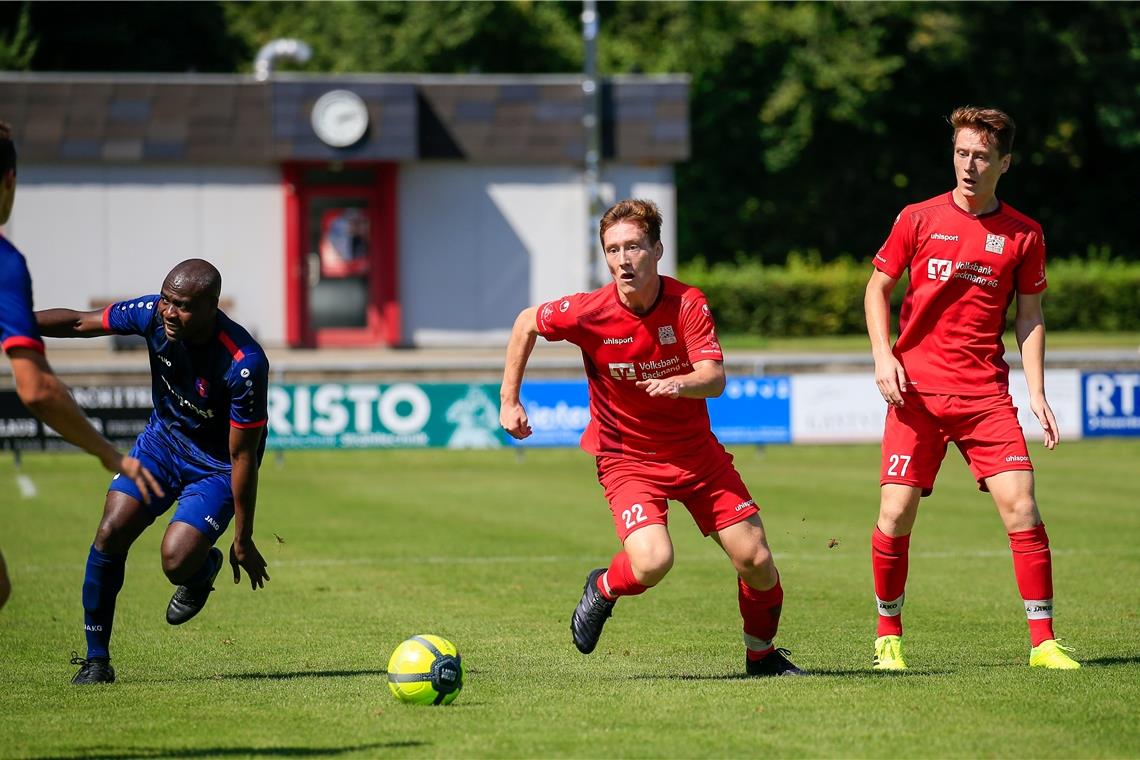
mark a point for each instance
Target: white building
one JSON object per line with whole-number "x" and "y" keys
{"x": 412, "y": 211}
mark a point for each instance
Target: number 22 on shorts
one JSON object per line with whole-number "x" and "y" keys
{"x": 896, "y": 460}
{"x": 634, "y": 515}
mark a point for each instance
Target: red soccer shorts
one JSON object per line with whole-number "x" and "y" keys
{"x": 985, "y": 429}
{"x": 704, "y": 481}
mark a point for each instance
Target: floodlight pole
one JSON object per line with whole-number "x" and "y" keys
{"x": 592, "y": 127}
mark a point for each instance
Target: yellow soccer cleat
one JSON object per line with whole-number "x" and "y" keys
{"x": 1051, "y": 654}
{"x": 888, "y": 653}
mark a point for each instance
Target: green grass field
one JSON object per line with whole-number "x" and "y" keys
{"x": 489, "y": 550}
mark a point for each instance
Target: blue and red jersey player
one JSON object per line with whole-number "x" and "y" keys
{"x": 36, "y": 384}
{"x": 17, "y": 332}
{"x": 652, "y": 357}
{"x": 201, "y": 391}
{"x": 204, "y": 443}
{"x": 945, "y": 379}
{"x": 17, "y": 322}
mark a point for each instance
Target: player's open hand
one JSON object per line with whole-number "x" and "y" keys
{"x": 244, "y": 555}
{"x": 662, "y": 386}
{"x": 147, "y": 484}
{"x": 891, "y": 379}
{"x": 1044, "y": 414}
{"x": 514, "y": 420}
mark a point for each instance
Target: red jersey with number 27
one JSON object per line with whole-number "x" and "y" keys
{"x": 620, "y": 347}
{"x": 964, "y": 272}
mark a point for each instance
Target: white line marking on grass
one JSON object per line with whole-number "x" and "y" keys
{"x": 598, "y": 558}
{"x": 27, "y": 486}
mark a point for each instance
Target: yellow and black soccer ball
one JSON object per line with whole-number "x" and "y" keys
{"x": 426, "y": 670}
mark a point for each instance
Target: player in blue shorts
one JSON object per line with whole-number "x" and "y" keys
{"x": 36, "y": 385}
{"x": 204, "y": 443}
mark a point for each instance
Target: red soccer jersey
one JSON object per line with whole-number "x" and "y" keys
{"x": 964, "y": 272}
{"x": 619, "y": 348}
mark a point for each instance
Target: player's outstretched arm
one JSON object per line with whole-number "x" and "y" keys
{"x": 244, "y": 555}
{"x": 1029, "y": 326}
{"x": 512, "y": 416}
{"x": 49, "y": 400}
{"x": 67, "y": 323}
{"x": 889, "y": 374}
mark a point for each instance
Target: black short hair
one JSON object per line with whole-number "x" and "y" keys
{"x": 7, "y": 149}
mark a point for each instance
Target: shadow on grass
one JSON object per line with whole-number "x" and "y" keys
{"x": 868, "y": 673}
{"x": 142, "y": 753}
{"x": 293, "y": 675}
{"x": 1100, "y": 662}
{"x": 288, "y": 676}
{"x": 830, "y": 672}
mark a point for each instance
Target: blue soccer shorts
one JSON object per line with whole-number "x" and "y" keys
{"x": 204, "y": 494}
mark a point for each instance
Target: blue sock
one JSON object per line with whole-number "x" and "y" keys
{"x": 101, "y": 587}
{"x": 204, "y": 573}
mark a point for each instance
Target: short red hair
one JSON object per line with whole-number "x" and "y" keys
{"x": 995, "y": 124}
{"x": 644, "y": 214}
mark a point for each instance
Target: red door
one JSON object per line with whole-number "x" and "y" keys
{"x": 340, "y": 243}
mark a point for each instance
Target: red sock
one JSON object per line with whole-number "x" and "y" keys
{"x": 761, "y": 613}
{"x": 1033, "y": 568}
{"x": 889, "y": 561}
{"x": 620, "y": 578}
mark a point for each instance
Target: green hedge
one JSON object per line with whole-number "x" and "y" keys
{"x": 807, "y": 297}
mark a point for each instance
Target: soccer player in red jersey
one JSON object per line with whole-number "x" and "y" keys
{"x": 36, "y": 384}
{"x": 945, "y": 380}
{"x": 652, "y": 357}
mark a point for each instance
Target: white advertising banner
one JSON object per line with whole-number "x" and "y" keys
{"x": 847, "y": 408}
{"x": 844, "y": 407}
{"x": 1063, "y": 390}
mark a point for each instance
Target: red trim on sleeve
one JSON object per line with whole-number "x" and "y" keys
{"x": 228, "y": 342}
{"x": 248, "y": 425}
{"x": 23, "y": 341}
{"x": 107, "y": 318}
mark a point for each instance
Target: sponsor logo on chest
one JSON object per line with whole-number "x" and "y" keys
{"x": 184, "y": 403}
{"x": 995, "y": 244}
{"x": 939, "y": 269}
{"x": 623, "y": 371}
{"x": 979, "y": 274}
{"x": 648, "y": 370}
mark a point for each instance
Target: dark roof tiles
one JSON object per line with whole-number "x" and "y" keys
{"x": 125, "y": 118}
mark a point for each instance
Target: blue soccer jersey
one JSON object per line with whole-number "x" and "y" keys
{"x": 17, "y": 322}
{"x": 199, "y": 391}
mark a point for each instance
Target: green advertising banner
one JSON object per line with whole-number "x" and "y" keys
{"x": 368, "y": 415}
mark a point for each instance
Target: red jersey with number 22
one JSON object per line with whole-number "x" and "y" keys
{"x": 964, "y": 272}
{"x": 620, "y": 347}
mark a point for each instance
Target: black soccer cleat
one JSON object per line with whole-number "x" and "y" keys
{"x": 188, "y": 601}
{"x": 92, "y": 670}
{"x": 590, "y": 614}
{"x": 775, "y": 664}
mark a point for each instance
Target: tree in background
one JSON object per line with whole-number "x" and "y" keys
{"x": 812, "y": 124}
{"x": 120, "y": 36}
{"x": 452, "y": 37}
